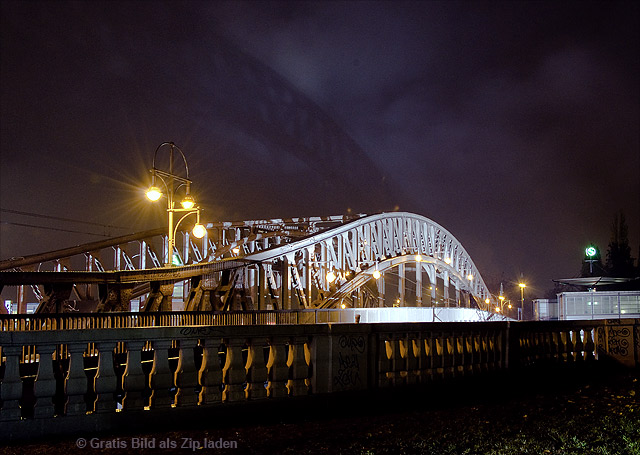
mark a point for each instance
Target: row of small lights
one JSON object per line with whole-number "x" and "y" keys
{"x": 331, "y": 276}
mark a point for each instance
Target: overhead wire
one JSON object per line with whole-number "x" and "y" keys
{"x": 39, "y": 215}
{"x": 53, "y": 228}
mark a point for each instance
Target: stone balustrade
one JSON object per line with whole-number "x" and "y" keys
{"x": 164, "y": 369}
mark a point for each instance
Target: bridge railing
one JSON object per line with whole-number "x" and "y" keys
{"x": 168, "y": 369}
{"x": 118, "y": 320}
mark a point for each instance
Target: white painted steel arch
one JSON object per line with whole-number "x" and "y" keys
{"x": 354, "y": 250}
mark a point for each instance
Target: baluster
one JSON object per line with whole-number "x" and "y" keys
{"x": 500, "y": 350}
{"x": 210, "y": 374}
{"x": 134, "y": 380}
{"x": 540, "y": 346}
{"x": 578, "y": 346}
{"x": 413, "y": 358}
{"x": 476, "y": 353}
{"x": 468, "y": 356}
{"x": 161, "y": 378}
{"x": 75, "y": 386}
{"x": 492, "y": 355}
{"x": 483, "y": 348}
{"x": 256, "y": 371}
{"x": 278, "y": 369}
{"x": 398, "y": 360}
{"x": 105, "y": 383}
{"x": 563, "y": 348}
{"x": 11, "y": 388}
{"x": 298, "y": 367}
{"x": 234, "y": 373}
{"x": 555, "y": 347}
{"x": 45, "y": 384}
{"x": 458, "y": 355}
{"x": 589, "y": 345}
{"x": 448, "y": 356}
{"x": 385, "y": 361}
{"x": 439, "y": 356}
{"x": 186, "y": 375}
{"x": 426, "y": 358}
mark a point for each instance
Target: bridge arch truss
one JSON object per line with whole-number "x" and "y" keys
{"x": 339, "y": 267}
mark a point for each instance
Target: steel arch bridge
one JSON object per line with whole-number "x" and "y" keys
{"x": 387, "y": 259}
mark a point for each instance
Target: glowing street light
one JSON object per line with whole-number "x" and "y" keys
{"x": 188, "y": 203}
{"x": 522, "y": 286}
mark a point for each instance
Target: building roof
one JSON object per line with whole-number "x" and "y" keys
{"x": 592, "y": 281}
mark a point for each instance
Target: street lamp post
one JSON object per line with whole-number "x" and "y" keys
{"x": 172, "y": 183}
{"x": 522, "y": 286}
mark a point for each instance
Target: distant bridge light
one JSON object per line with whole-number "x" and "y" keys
{"x": 376, "y": 274}
{"x": 447, "y": 260}
{"x": 470, "y": 277}
{"x": 331, "y": 277}
{"x": 418, "y": 258}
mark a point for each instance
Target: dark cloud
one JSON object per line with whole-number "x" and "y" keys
{"x": 513, "y": 124}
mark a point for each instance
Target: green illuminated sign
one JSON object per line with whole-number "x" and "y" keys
{"x": 590, "y": 251}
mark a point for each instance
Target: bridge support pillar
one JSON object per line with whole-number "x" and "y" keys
{"x": 401, "y": 284}
{"x": 115, "y": 297}
{"x": 380, "y": 283}
{"x": 445, "y": 288}
{"x": 160, "y": 298}
{"x": 55, "y": 296}
{"x": 285, "y": 285}
{"x": 418, "y": 285}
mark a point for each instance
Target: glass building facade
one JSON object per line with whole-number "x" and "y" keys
{"x": 590, "y": 305}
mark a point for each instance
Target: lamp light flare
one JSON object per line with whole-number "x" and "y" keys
{"x": 376, "y": 274}
{"x": 188, "y": 202}
{"x": 470, "y": 277}
{"x": 154, "y": 193}
{"x": 447, "y": 260}
{"x": 522, "y": 285}
{"x": 199, "y": 231}
{"x": 331, "y": 277}
{"x": 418, "y": 258}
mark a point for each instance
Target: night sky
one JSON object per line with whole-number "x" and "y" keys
{"x": 514, "y": 125}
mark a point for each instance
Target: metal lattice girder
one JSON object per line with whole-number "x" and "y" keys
{"x": 285, "y": 263}
{"x": 382, "y": 241}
